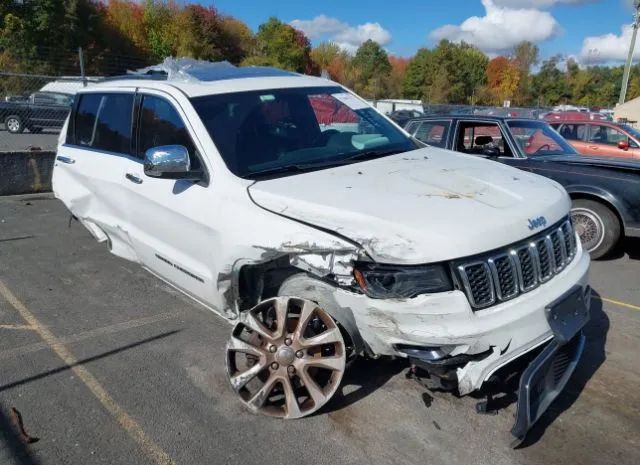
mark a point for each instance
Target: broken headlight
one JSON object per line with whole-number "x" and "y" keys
{"x": 401, "y": 282}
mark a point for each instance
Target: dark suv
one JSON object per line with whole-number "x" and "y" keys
{"x": 38, "y": 111}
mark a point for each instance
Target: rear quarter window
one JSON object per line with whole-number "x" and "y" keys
{"x": 103, "y": 122}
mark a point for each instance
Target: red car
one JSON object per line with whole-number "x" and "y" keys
{"x": 601, "y": 138}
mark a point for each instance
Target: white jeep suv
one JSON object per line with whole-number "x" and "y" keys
{"x": 289, "y": 206}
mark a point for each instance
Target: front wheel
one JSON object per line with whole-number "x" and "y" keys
{"x": 13, "y": 123}
{"x": 597, "y": 226}
{"x": 285, "y": 358}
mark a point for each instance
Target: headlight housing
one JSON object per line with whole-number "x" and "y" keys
{"x": 381, "y": 281}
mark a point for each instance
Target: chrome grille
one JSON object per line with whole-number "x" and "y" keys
{"x": 519, "y": 268}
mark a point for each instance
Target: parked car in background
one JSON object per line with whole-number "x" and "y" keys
{"x": 601, "y": 138}
{"x": 291, "y": 207}
{"x": 559, "y": 117}
{"x": 605, "y": 192}
{"x": 402, "y": 116}
{"x": 38, "y": 111}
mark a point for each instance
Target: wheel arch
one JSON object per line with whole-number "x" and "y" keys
{"x": 278, "y": 277}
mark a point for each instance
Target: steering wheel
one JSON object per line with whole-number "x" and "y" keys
{"x": 324, "y": 137}
{"x": 545, "y": 146}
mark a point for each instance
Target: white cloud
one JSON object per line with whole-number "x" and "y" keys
{"x": 346, "y": 36}
{"x": 539, "y": 3}
{"x": 608, "y": 47}
{"x": 501, "y": 28}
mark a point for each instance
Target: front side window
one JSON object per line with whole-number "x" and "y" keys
{"x": 606, "y": 135}
{"x": 433, "y": 133}
{"x": 103, "y": 122}
{"x": 160, "y": 124}
{"x": 266, "y": 132}
{"x": 480, "y": 138}
{"x": 538, "y": 138}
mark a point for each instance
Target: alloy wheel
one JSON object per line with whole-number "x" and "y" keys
{"x": 13, "y": 125}
{"x": 285, "y": 358}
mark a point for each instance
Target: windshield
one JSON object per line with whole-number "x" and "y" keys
{"x": 633, "y": 131}
{"x": 271, "y": 131}
{"x": 538, "y": 138}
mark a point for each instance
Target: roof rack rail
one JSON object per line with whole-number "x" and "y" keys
{"x": 148, "y": 76}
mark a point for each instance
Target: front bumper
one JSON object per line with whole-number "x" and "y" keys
{"x": 543, "y": 380}
{"x": 507, "y": 331}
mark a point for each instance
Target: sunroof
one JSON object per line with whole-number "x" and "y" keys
{"x": 188, "y": 69}
{"x": 235, "y": 73}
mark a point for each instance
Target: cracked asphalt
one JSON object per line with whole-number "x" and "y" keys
{"x": 107, "y": 364}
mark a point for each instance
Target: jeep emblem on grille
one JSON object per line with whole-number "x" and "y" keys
{"x": 537, "y": 222}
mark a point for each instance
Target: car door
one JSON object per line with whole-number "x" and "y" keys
{"x": 604, "y": 139}
{"x": 576, "y": 135}
{"x": 87, "y": 175}
{"x": 171, "y": 220}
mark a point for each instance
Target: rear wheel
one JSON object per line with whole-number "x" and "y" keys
{"x": 13, "y": 123}
{"x": 597, "y": 226}
{"x": 285, "y": 358}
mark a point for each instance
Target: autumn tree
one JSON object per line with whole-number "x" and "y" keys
{"x": 329, "y": 57}
{"x": 395, "y": 80}
{"x": 503, "y": 77}
{"x": 525, "y": 55}
{"x": 239, "y": 41}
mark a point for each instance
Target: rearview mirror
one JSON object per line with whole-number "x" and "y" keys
{"x": 169, "y": 162}
{"x": 623, "y": 145}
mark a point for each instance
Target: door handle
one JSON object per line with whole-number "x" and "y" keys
{"x": 67, "y": 160}
{"x": 133, "y": 178}
{"x": 593, "y": 147}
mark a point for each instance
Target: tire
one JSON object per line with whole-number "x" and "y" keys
{"x": 597, "y": 225}
{"x": 13, "y": 124}
{"x": 285, "y": 358}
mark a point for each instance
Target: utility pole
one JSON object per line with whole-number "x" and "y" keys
{"x": 627, "y": 68}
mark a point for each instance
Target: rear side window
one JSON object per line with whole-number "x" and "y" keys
{"x": 433, "y": 133}
{"x": 160, "y": 124}
{"x": 103, "y": 122}
{"x": 573, "y": 131}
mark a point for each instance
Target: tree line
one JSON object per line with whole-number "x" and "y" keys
{"x": 117, "y": 35}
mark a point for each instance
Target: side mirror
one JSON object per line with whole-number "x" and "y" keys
{"x": 623, "y": 145}
{"x": 169, "y": 162}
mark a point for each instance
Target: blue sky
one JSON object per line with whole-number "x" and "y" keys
{"x": 590, "y": 30}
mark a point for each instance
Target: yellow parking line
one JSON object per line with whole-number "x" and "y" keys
{"x": 619, "y": 303}
{"x": 16, "y": 327}
{"x": 132, "y": 428}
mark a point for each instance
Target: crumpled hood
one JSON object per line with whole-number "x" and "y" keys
{"x": 422, "y": 206}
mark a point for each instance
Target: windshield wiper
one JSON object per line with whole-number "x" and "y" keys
{"x": 312, "y": 165}
{"x": 370, "y": 155}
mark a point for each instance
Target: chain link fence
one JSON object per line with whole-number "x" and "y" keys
{"x": 37, "y": 90}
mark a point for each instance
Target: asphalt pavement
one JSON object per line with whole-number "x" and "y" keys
{"x": 46, "y": 140}
{"x": 104, "y": 363}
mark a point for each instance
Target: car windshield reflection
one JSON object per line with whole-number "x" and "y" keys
{"x": 536, "y": 138}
